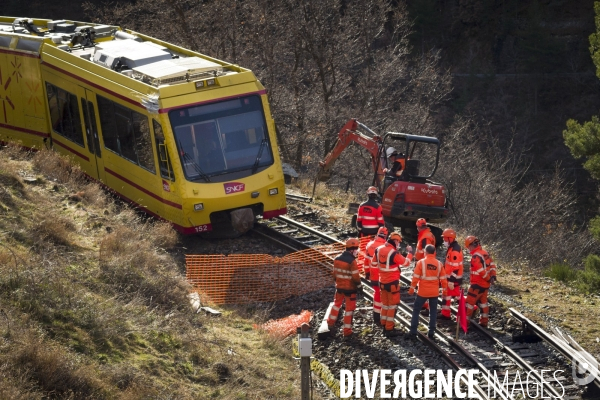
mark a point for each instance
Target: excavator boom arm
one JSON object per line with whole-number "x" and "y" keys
{"x": 347, "y": 135}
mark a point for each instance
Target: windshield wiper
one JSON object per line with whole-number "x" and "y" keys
{"x": 259, "y": 155}
{"x": 189, "y": 158}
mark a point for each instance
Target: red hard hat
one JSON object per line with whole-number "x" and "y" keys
{"x": 395, "y": 236}
{"x": 421, "y": 222}
{"x": 449, "y": 233}
{"x": 352, "y": 243}
{"x": 471, "y": 240}
{"x": 383, "y": 232}
{"x": 372, "y": 190}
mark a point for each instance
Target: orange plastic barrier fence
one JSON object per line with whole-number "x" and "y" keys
{"x": 248, "y": 278}
{"x": 284, "y": 327}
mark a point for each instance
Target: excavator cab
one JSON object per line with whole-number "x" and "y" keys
{"x": 417, "y": 155}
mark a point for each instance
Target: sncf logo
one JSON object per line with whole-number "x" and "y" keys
{"x": 234, "y": 187}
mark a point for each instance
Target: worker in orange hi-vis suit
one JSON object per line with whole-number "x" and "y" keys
{"x": 389, "y": 261}
{"x": 454, "y": 270}
{"x": 369, "y": 216}
{"x": 347, "y": 286}
{"x": 372, "y": 271}
{"x": 483, "y": 274}
{"x": 429, "y": 275}
{"x": 425, "y": 237}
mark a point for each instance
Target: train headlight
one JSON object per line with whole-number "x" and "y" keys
{"x": 199, "y": 207}
{"x": 273, "y": 192}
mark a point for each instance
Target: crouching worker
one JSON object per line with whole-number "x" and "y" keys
{"x": 430, "y": 275}
{"x": 347, "y": 286}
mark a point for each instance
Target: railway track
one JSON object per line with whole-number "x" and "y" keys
{"x": 504, "y": 364}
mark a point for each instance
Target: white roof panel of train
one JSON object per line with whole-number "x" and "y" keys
{"x": 129, "y": 54}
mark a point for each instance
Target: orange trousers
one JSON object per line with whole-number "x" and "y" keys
{"x": 477, "y": 294}
{"x": 338, "y": 299}
{"x": 390, "y": 298}
{"x": 447, "y": 303}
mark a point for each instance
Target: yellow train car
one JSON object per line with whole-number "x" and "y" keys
{"x": 183, "y": 136}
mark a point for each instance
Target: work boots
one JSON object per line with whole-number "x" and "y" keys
{"x": 392, "y": 333}
{"x": 376, "y": 318}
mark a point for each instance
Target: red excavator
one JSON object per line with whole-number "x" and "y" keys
{"x": 407, "y": 194}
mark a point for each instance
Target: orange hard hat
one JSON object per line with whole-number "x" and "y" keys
{"x": 383, "y": 232}
{"x": 395, "y": 236}
{"x": 352, "y": 243}
{"x": 449, "y": 233}
{"x": 372, "y": 190}
{"x": 471, "y": 240}
{"x": 421, "y": 222}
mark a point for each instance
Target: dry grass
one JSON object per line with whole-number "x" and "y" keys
{"x": 92, "y": 303}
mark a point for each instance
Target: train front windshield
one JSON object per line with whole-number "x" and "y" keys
{"x": 222, "y": 141}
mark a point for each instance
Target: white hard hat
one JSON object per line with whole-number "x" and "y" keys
{"x": 390, "y": 151}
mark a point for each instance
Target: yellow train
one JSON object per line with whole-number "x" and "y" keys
{"x": 183, "y": 136}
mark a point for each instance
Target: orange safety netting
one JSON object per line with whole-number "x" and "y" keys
{"x": 248, "y": 278}
{"x": 284, "y": 327}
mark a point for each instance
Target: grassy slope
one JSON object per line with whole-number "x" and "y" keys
{"x": 93, "y": 305}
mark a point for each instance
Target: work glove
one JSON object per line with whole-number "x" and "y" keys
{"x": 492, "y": 280}
{"x": 451, "y": 285}
{"x": 411, "y": 291}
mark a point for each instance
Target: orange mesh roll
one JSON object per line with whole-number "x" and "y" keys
{"x": 284, "y": 327}
{"x": 247, "y": 278}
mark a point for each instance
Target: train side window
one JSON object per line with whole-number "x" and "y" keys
{"x": 64, "y": 112}
{"x": 164, "y": 163}
{"x": 5, "y": 41}
{"x": 143, "y": 143}
{"x": 126, "y": 133}
{"x": 108, "y": 124}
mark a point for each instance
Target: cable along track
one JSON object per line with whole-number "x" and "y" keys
{"x": 509, "y": 364}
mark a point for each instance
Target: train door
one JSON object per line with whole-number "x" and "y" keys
{"x": 67, "y": 123}
{"x": 170, "y": 192}
{"x": 90, "y": 121}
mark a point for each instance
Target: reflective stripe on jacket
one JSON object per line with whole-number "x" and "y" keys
{"x": 425, "y": 237}
{"x": 429, "y": 274}
{"x": 454, "y": 263}
{"x": 482, "y": 267}
{"x": 369, "y": 217}
{"x": 372, "y": 268}
{"x": 389, "y": 261}
{"x": 345, "y": 272}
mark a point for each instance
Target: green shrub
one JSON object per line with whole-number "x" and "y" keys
{"x": 561, "y": 272}
{"x": 589, "y": 279}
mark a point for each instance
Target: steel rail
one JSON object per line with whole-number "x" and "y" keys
{"x": 297, "y": 197}
{"x": 315, "y": 232}
{"x": 565, "y": 351}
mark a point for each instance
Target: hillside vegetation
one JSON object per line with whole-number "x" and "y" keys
{"x": 93, "y": 304}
